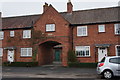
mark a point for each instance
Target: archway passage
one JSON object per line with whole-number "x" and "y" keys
{"x": 49, "y": 52}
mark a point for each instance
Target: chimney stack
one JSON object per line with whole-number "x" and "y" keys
{"x": 45, "y": 6}
{"x": 69, "y": 7}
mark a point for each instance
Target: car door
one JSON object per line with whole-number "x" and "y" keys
{"x": 115, "y": 66}
{"x": 118, "y": 70}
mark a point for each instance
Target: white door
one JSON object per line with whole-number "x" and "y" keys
{"x": 10, "y": 55}
{"x": 102, "y": 52}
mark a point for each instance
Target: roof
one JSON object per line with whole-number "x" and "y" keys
{"x": 12, "y": 47}
{"x": 76, "y": 17}
{"x": 19, "y": 22}
{"x": 102, "y": 45}
{"x": 93, "y": 15}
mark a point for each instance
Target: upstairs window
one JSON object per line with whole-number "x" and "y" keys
{"x": 26, "y": 52}
{"x": 1, "y": 35}
{"x": 1, "y": 52}
{"x": 82, "y": 51}
{"x": 27, "y": 34}
{"x": 12, "y": 33}
{"x": 50, "y": 27}
{"x": 82, "y": 31}
{"x": 101, "y": 28}
{"x": 117, "y": 28}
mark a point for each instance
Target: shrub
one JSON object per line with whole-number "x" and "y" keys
{"x": 82, "y": 65}
{"x": 21, "y": 64}
{"x": 71, "y": 56}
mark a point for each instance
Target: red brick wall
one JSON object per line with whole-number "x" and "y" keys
{"x": 52, "y": 17}
{"x": 17, "y": 41}
{"x": 61, "y": 35}
{"x": 94, "y": 37}
{"x": 62, "y": 30}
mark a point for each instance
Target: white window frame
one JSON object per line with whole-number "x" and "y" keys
{"x": 116, "y": 50}
{"x": 1, "y": 52}
{"x": 12, "y": 33}
{"x": 50, "y": 27}
{"x": 101, "y": 28}
{"x": 1, "y": 35}
{"x": 76, "y": 49}
{"x": 115, "y": 28}
{"x": 80, "y": 31}
{"x": 27, "y": 52}
{"x": 26, "y": 34}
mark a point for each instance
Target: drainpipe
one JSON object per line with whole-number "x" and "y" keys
{"x": 71, "y": 37}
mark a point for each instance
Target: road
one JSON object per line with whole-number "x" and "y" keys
{"x": 50, "y": 79}
{"x": 117, "y": 78}
{"x": 50, "y": 73}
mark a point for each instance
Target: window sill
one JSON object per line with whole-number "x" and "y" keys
{"x": 83, "y": 56}
{"x": 26, "y": 38}
{"x": 82, "y": 36}
{"x": 11, "y": 36}
{"x": 25, "y": 56}
{"x": 117, "y": 34}
{"x": 49, "y": 31}
{"x": 101, "y": 32}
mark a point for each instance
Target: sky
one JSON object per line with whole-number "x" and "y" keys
{"x": 11, "y": 8}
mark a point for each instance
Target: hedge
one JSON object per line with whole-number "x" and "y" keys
{"x": 21, "y": 64}
{"x": 82, "y": 65}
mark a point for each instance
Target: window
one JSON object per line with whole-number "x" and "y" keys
{"x": 1, "y": 52}
{"x": 115, "y": 60}
{"x": 12, "y": 33}
{"x": 117, "y": 50}
{"x": 117, "y": 28}
{"x": 103, "y": 60}
{"x": 101, "y": 28}
{"x": 27, "y": 34}
{"x": 82, "y": 31}
{"x": 1, "y": 35}
{"x": 27, "y": 52}
{"x": 82, "y": 51}
{"x": 50, "y": 27}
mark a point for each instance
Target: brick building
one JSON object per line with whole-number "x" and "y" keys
{"x": 0, "y": 41}
{"x": 48, "y": 37}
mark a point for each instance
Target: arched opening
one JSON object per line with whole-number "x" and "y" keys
{"x": 49, "y": 52}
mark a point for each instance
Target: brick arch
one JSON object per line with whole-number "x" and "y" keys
{"x": 45, "y": 52}
{"x": 54, "y": 40}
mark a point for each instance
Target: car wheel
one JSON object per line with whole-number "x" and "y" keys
{"x": 107, "y": 74}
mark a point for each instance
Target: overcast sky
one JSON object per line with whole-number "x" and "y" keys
{"x": 11, "y": 8}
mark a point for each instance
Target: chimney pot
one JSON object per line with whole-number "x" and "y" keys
{"x": 69, "y": 7}
{"x": 45, "y": 6}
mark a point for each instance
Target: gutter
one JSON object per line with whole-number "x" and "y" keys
{"x": 16, "y": 28}
{"x": 74, "y": 25}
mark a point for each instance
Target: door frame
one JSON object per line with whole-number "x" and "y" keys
{"x": 106, "y": 51}
{"x": 13, "y": 54}
{"x": 60, "y": 57}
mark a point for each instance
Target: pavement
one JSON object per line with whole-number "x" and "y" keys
{"x": 48, "y": 71}
{"x": 48, "y": 79}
